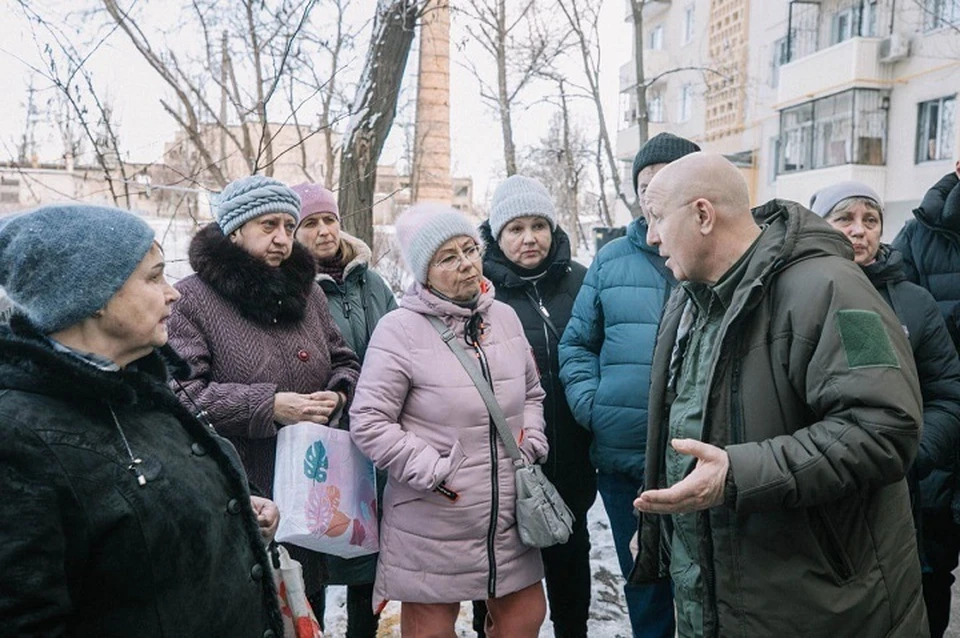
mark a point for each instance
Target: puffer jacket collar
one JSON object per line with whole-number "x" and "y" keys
{"x": 887, "y": 269}
{"x": 261, "y": 293}
{"x": 498, "y": 268}
{"x": 940, "y": 207}
{"x": 419, "y": 299}
{"x": 357, "y": 266}
{"x": 29, "y": 364}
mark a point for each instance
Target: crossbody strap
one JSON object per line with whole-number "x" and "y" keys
{"x": 486, "y": 392}
{"x": 538, "y": 306}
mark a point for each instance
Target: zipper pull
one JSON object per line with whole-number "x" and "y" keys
{"x": 544, "y": 310}
{"x": 346, "y": 307}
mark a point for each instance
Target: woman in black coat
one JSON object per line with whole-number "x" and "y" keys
{"x": 528, "y": 260}
{"x": 856, "y": 210}
{"x": 124, "y": 514}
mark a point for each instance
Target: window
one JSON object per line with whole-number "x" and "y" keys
{"x": 686, "y": 103}
{"x": 833, "y": 142}
{"x": 846, "y": 128}
{"x": 935, "y": 122}
{"x": 688, "y": 24}
{"x": 938, "y": 14}
{"x": 844, "y": 25}
{"x": 796, "y": 138}
{"x": 655, "y": 41}
{"x": 628, "y": 108}
{"x": 655, "y": 106}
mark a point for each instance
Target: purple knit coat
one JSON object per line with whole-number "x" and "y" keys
{"x": 250, "y": 330}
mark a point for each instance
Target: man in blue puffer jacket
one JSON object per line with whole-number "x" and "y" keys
{"x": 605, "y": 358}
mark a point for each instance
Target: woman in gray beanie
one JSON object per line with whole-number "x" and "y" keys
{"x": 115, "y": 495}
{"x": 449, "y": 532}
{"x": 528, "y": 259}
{"x": 856, "y": 210}
{"x": 263, "y": 349}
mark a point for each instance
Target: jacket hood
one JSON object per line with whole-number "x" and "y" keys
{"x": 888, "y": 268}
{"x": 419, "y": 299}
{"x": 362, "y": 255}
{"x": 637, "y": 235}
{"x": 502, "y": 272}
{"x": 792, "y": 233}
{"x": 940, "y": 207}
{"x": 261, "y": 293}
{"x": 28, "y": 363}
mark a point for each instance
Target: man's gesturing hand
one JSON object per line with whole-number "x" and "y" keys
{"x": 700, "y": 490}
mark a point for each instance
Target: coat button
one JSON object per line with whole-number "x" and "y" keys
{"x": 303, "y": 355}
{"x": 197, "y": 449}
{"x": 256, "y": 572}
{"x": 233, "y": 506}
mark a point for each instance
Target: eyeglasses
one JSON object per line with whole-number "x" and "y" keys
{"x": 453, "y": 261}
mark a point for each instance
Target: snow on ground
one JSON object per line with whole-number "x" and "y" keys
{"x": 608, "y": 612}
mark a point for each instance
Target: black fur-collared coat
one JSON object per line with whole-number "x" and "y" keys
{"x": 85, "y": 550}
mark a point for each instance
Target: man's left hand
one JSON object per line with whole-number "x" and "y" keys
{"x": 268, "y": 516}
{"x": 701, "y": 489}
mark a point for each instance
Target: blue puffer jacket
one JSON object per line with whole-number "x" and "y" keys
{"x": 607, "y": 349}
{"x": 930, "y": 243}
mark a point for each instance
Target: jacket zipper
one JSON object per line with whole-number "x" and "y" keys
{"x": 494, "y": 484}
{"x": 548, "y": 373}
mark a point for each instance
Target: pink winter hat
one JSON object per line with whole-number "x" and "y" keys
{"x": 315, "y": 199}
{"x": 423, "y": 228}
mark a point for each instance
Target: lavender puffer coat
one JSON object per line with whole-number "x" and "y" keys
{"x": 418, "y": 415}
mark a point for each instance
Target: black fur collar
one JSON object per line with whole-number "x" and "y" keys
{"x": 29, "y": 363}
{"x": 261, "y": 293}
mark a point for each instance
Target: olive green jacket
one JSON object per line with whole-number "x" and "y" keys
{"x": 361, "y": 300}
{"x": 814, "y": 395}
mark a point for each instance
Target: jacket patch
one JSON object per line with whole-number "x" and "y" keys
{"x": 865, "y": 340}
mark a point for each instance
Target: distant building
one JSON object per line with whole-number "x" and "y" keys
{"x": 803, "y": 94}
{"x": 393, "y": 195}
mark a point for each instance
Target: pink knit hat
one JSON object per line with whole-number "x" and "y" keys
{"x": 423, "y": 228}
{"x": 315, "y": 199}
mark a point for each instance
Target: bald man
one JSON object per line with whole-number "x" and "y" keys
{"x": 784, "y": 411}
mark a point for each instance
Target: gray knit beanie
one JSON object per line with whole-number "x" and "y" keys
{"x": 423, "y": 228}
{"x": 60, "y": 264}
{"x": 826, "y": 199}
{"x": 519, "y": 196}
{"x": 251, "y": 197}
{"x": 662, "y": 148}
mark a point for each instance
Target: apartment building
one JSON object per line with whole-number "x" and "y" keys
{"x": 801, "y": 94}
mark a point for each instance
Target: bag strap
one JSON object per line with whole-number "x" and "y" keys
{"x": 486, "y": 392}
{"x": 538, "y": 306}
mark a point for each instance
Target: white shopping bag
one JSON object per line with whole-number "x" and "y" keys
{"x": 326, "y": 491}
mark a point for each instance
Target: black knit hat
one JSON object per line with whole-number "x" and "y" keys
{"x": 662, "y": 148}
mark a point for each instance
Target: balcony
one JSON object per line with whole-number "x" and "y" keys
{"x": 853, "y": 62}
{"x": 628, "y": 142}
{"x": 655, "y": 62}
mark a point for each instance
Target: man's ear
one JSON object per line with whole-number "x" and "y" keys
{"x": 706, "y": 215}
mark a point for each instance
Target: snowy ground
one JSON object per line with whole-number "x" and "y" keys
{"x": 608, "y": 612}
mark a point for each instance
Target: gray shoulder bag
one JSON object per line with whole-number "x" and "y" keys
{"x": 543, "y": 519}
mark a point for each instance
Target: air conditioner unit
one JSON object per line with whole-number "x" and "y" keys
{"x": 894, "y": 47}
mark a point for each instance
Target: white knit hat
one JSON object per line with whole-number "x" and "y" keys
{"x": 520, "y": 196}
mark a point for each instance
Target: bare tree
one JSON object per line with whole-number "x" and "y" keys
{"x": 374, "y": 108}
{"x": 79, "y": 101}
{"x": 522, "y": 42}
{"x": 583, "y": 18}
{"x": 334, "y": 42}
{"x": 245, "y": 51}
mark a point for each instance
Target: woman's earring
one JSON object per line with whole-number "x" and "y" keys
{"x": 98, "y": 313}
